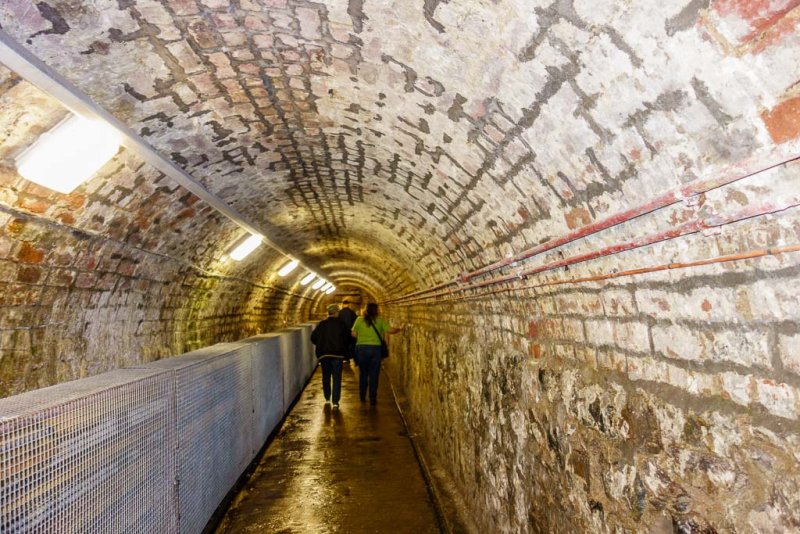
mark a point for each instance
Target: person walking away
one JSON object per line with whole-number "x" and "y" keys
{"x": 368, "y": 330}
{"x": 331, "y": 340}
{"x": 348, "y": 317}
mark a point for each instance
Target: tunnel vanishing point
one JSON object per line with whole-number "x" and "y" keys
{"x": 585, "y": 211}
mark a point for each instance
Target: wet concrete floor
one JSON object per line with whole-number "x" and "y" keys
{"x": 350, "y": 470}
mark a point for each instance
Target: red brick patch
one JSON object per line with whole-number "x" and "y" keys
{"x": 30, "y": 254}
{"x": 15, "y": 227}
{"x": 126, "y": 268}
{"x": 90, "y": 263}
{"x": 61, "y": 278}
{"x": 33, "y": 204}
{"x": 86, "y": 280}
{"x": 75, "y": 201}
{"x": 578, "y": 217}
{"x": 65, "y": 217}
{"x": 783, "y": 121}
{"x": 533, "y": 329}
{"x": 29, "y": 275}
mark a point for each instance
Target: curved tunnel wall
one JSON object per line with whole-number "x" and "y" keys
{"x": 130, "y": 269}
{"x": 642, "y": 390}
{"x": 636, "y": 368}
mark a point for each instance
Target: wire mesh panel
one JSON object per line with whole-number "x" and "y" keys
{"x": 308, "y": 349}
{"x": 214, "y": 403}
{"x": 93, "y": 455}
{"x": 267, "y": 386}
{"x": 291, "y": 347}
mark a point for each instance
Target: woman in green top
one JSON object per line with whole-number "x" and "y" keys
{"x": 368, "y": 330}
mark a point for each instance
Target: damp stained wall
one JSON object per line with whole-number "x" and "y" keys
{"x": 636, "y": 370}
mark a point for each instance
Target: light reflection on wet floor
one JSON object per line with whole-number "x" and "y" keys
{"x": 347, "y": 471}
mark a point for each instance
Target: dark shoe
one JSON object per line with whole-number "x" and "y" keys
{"x": 373, "y": 402}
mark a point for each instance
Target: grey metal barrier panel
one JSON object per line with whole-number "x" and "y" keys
{"x": 311, "y": 356}
{"x": 214, "y": 403}
{"x": 308, "y": 348}
{"x": 301, "y": 344}
{"x": 92, "y": 455}
{"x": 267, "y": 386}
{"x": 292, "y": 364}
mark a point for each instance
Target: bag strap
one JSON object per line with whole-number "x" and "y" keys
{"x": 378, "y": 333}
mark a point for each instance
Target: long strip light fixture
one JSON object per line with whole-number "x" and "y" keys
{"x": 32, "y": 165}
{"x": 246, "y": 247}
{"x": 318, "y": 284}
{"x": 288, "y": 268}
{"x": 308, "y": 279}
{"x": 69, "y": 154}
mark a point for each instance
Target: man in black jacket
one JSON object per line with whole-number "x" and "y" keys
{"x": 331, "y": 338}
{"x": 348, "y": 317}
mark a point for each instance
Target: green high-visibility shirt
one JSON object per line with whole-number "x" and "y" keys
{"x": 366, "y": 334}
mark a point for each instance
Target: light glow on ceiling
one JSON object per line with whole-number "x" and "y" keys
{"x": 307, "y": 279}
{"x": 246, "y": 247}
{"x": 331, "y": 289}
{"x": 69, "y": 154}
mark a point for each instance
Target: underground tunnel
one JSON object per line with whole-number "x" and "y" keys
{"x": 584, "y": 212}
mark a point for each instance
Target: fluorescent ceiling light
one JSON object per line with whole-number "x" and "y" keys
{"x": 318, "y": 284}
{"x": 331, "y": 289}
{"x": 289, "y": 267}
{"x": 246, "y": 247}
{"x": 69, "y": 154}
{"x": 308, "y": 279}
{"x": 326, "y": 286}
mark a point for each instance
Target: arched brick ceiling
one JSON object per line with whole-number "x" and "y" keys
{"x": 412, "y": 140}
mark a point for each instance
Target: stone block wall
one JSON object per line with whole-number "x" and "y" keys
{"x": 76, "y": 304}
{"x": 642, "y": 390}
{"x": 104, "y": 305}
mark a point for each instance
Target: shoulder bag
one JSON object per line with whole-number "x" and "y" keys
{"x": 384, "y": 346}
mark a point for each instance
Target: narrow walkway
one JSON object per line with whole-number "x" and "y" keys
{"x": 348, "y": 471}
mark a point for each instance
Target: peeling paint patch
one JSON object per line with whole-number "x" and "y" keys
{"x": 355, "y": 8}
{"x": 52, "y": 15}
{"x": 687, "y": 17}
{"x": 430, "y": 9}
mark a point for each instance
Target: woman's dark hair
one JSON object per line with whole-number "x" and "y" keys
{"x": 371, "y": 313}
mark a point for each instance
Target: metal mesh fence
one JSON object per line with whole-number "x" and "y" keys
{"x": 214, "y": 403}
{"x": 94, "y": 455}
{"x": 307, "y": 349}
{"x": 291, "y": 356}
{"x": 267, "y": 386}
{"x": 151, "y": 449}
